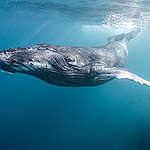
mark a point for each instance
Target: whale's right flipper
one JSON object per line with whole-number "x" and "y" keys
{"x": 123, "y": 74}
{"x": 117, "y": 73}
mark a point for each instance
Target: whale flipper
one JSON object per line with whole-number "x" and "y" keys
{"x": 124, "y": 74}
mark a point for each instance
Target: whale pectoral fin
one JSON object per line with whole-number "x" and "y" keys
{"x": 124, "y": 74}
{"x": 110, "y": 73}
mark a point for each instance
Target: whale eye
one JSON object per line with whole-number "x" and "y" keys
{"x": 70, "y": 60}
{"x": 30, "y": 59}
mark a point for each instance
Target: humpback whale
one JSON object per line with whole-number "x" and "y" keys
{"x": 73, "y": 66}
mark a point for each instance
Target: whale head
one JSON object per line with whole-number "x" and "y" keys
{"x": 15, "y": 60}
{"x": 33, "y": 58}
{"x": 46, "y": 63}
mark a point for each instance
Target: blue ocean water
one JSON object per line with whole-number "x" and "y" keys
{"x": 37, "y": 116}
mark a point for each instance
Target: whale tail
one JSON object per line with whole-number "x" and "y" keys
{"x": 131, "y": 35}
{"x": 124, "y": 36}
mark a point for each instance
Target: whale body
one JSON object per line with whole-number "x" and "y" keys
{"x": 73, "y": 66}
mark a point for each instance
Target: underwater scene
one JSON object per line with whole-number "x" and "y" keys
{"x": 36, "y": 115}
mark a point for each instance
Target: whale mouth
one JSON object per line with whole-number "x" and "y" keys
{"x": 13, "y": 67}
{"x": 5, "y": 67}
{"x": 13, "y": 60}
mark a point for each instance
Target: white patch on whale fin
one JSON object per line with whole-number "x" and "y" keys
{"x": 123, "y": 74}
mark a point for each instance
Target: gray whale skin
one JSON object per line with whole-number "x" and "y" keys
{"x": 73, "y": 66}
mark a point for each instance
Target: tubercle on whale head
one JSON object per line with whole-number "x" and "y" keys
{"x": 25, "y": 60}
{"x": 11, "y": 60}
{"x": 4, "y": 64}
